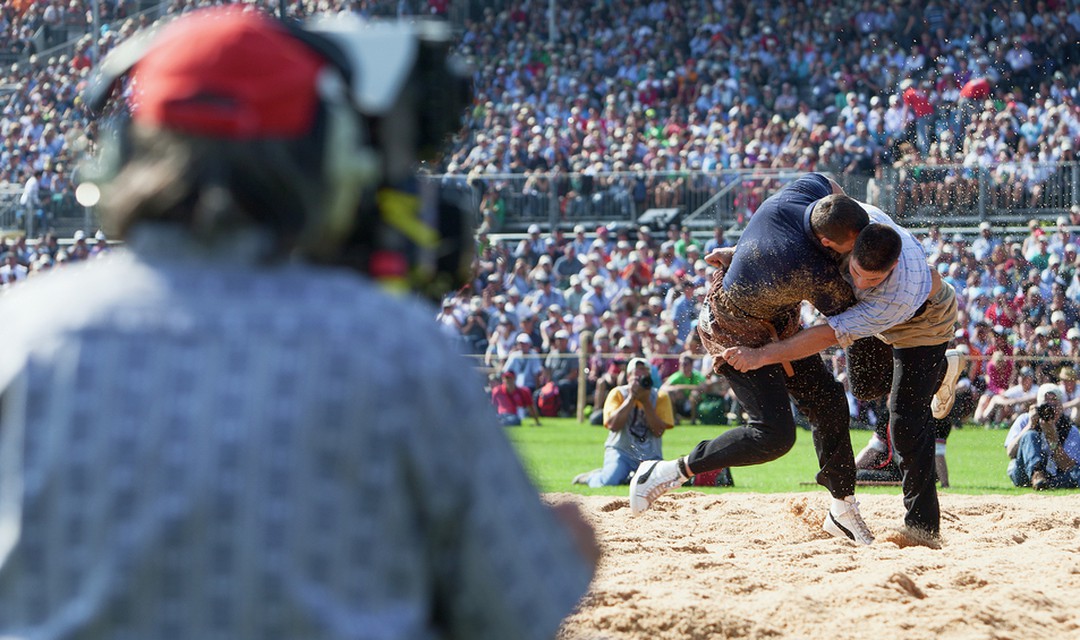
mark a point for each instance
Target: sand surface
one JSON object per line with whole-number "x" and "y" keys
{"x": 738, "y": 565}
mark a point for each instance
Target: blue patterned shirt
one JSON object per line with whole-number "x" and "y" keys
{"x": 894, "y": 300}
{"x": 195, "y": 449}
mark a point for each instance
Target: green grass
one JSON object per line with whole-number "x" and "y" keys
{"x": 562, "y": 448}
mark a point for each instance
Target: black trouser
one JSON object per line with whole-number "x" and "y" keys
{"x": 910, "y": 376}
{"x": 770, "y": 433}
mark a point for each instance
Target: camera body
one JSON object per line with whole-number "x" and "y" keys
{"x": 411, "y": 91}
{"x": 646, "y": 382}
{"x": 1045, "y": 411}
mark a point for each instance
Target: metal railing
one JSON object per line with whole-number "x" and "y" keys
{"x": 1004, "y": 194}
{"x": 9, "y": 205}
{"x": 916, "y": 195}
{"x": 704, "y": 199}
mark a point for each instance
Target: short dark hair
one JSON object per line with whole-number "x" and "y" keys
{"x": 877, "y": 248}
{"x": 838, "y": 217}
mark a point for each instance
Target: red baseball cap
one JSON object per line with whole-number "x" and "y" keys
{"x": 228, "y": 73}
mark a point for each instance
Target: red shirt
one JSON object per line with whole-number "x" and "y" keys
{"x": 81, "y": 61}
{"x": 507, "y": 402}
{"x": 637, "y": 274}
{"x": 976, "y": 89}
{"x": 998, "y": 376}
{"x": 998, "y": 314}
{"x": 918, "y": 103}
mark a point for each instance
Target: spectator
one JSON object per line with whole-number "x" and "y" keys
{"x": 562, "y": 371}
{"x": 1003, "y": 312}
{"x": 30, "y": 200}
{"x": 636, "y": 416}
{"x": 545, "y": 294}
{"x": 448, "y": 319}
{"x": 1000, "y": 409}
{"x": 512, "y": 402}
{"x": 566, "y": 266}
{"x": 500, "y": 343}
{"x": 685, "y": 388}
{"x": 531, "y": 248}
{"x": 999, "y": 372}
{"x": 685, "y": 310}
{"x": 985, "y": 243}
{"x": 717, "y": 241}
{"x": 1070, "y": 393}
{"x": 575, "y": 293}
{"x": 526, "y": 368}
{"x": 597, "y": 297}
{"x": 474, "y": 328}
{"x": 636, "y": 274}
{"x": 661, "y": 353}
{"x": 1043, "y": 445}
{"x": 11, "y": 271}
{"x": 613, "y": 375}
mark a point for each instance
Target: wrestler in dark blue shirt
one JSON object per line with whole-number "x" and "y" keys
{"x": 789, "y": 252}
{"x": 779, "y": 261}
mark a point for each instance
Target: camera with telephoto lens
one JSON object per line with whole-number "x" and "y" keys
{"x": 1045, "y": 411}
{"x": 645, "y": 382}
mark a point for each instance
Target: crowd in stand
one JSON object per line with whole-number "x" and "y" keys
{"x": 620, "y": 292}
{"x": 858, "y": 88}
{"x": 612, "y": 292}
{"x": 639, "y": 86}
{"x": 20, "y": 260}
{"x": 44, "y": 131}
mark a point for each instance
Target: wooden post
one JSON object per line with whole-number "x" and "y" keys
{"x": 584, "y": 348}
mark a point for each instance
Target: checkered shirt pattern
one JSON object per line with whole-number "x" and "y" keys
{"x": 893, "y": 301}
{"x": 208, "y": 451}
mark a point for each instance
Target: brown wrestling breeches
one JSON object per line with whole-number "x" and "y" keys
{"x": 721, "y": 324}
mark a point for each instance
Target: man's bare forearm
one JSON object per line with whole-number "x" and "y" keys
{"x": 618, "y": 418}
{"x": 803, "y": 344}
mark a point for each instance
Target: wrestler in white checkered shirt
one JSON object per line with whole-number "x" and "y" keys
{"x": 894, "y": 300}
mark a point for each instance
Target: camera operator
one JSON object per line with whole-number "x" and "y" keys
{"x": 1043, "y": 445}
{"x": 636, "y": 416}
{"x": 219, "y": 431}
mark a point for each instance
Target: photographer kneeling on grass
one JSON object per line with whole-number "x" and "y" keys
{"x": 1044, "y": 446}
{"x": 636, "y": 415}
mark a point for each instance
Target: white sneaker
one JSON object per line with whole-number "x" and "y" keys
{"x": 846, "y": 523}
{"x": 653, "y": 479}
{"x": 942, "y": 402}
